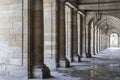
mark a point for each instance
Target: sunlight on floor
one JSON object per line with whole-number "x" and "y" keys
{"x": 103, "y": 66}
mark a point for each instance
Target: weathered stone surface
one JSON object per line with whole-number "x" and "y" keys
{"x": 49, "y": 28}
{"x": 12, "y": 36}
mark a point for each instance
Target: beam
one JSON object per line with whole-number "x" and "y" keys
{"x": 117, "y": 12}
{"x": 73, "y": 3}
{"x": 108, "y": 10}
{"x": 112, "y": 13}
{"x": 103, "y": 7}
{"x": 72, "y": 6}
{"x": 101, "y": 2}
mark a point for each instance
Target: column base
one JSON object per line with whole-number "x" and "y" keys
{"x": 77, "y": 58}
{"x": 63, "y": 63}
{"x": 88, "y": 55}
{"x": 72, "y": 60}
{"x": 81, "y": 54}
{"x": 94, "y": 53}
{"x": 98, "y": 52}
{"x": 41, "y": 72}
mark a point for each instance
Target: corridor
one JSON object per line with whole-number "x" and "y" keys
{"x": 103, "y": 66}
{"x": 59, "y": 39}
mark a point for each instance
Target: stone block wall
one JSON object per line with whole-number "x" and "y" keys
{"x": 13, "y": 38}
{"x": 49, "y": 28}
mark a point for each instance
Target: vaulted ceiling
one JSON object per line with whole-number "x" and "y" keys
{"x": 110, "y": 8}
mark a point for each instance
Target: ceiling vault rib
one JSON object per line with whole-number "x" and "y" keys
{"x": 99, "y": 3}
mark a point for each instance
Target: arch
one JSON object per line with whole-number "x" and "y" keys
{"x": 111, "y": 21}
{"x": 114, "y": 40}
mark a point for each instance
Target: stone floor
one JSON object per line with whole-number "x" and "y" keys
{"x": 103, "y": 66}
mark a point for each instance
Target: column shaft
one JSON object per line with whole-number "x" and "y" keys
{"x": 102, "y": 42}
{"x": 94, "y": 39}
{"x": 97, "y": 40}
{"x": 39, "y": 69}
{"x": 61, "y": 60}
{"x": 74, "y": 36}
{"x": 89, "y": 41}
{"x": 81, "y": 35}
{"x": 85, "y": 42}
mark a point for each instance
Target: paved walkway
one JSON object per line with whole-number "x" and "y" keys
{"x": 103, "y": 66}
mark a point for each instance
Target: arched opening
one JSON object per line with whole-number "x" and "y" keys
{"x": 114, "y": 40}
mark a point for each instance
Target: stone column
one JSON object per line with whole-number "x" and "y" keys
{"x": 72, "y": 43}
{"x": 39, "y": 69}
{"x": 100, "y": 39}
{"x": 118, "y": 42}
{"x": 97, "y": 40}
{"x": 108, "y": 41}
{"x": 61, "y": 60}
{"x": 74, "y": 36}
{"x": 102, "y": 42}
{"x": 85, "y": 40}
{"x": 105, "y": 41}
{"x": 81, "y": 35}
{"x": 104, "y": 47}
{"x": 89, "y": 41}
{"x": 94, "y": 39}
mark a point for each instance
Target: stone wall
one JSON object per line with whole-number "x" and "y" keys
{"x": 49, "y": 28}
{"x": 13, "y": 38}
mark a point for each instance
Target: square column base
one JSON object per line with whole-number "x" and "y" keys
{"x": 72, "y": 60}
{"x": 88, "y": 55}
{"x": 41, "y": 73}
{"x": 63, "y": 63}
{"x": 77, "y": 58}
{"x": 94, "y": 53}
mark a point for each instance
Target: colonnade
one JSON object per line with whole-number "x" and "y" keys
{"x": 37, "y": 68}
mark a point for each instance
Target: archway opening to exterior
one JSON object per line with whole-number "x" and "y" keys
{"x": 114, "y": 40}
